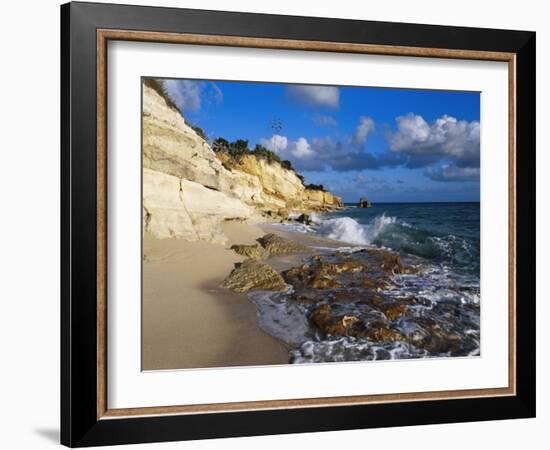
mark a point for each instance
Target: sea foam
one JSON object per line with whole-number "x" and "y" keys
{"x": 348, "y": 230}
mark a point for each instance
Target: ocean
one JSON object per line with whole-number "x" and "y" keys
{"x": 442, "y": 233}
{"x": 439, "y": 301}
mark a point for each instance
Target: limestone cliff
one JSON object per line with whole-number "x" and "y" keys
{"x": 321, "y": 200}
{"x": 172, "y": 147}
{"x": 179, "y": 208}
{"x": 188, "y": 190}
{"x": 282, "y": 188}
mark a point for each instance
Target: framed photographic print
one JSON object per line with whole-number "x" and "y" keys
{"x": 276, "y": 224}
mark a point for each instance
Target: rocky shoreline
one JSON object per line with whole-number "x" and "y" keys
{"x": 355, "y": 297}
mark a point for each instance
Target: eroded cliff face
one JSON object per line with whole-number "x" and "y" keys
{"x": 282, "y": 189}
{"x": 174, "y": 207}
{"x": 321, "y": 200}
{"x": 188, "y": 190}
{"x": 172, "y": 147}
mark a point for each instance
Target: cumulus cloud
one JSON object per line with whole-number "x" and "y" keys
{"x": 276, "y": 143}
{"x": 446, "y": 137}
{"x": 316, "y": 96}
{"x": 323, "y": 120}
{"x": 366, "y": 125}
{"x": 341, "y": 155}
{"x": 448, "y": 149}
{"x": 287, "y": 149}
{"x": 447, "y": 172}
{"x": 189, "y": 95}
{"x": 301, "y": 149}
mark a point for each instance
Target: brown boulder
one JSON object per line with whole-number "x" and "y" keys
{"x": 297, "y": 275}
{"x": 310, "y": 277}
{"x": 318, "y": 281}
{"x": 391, "y": 263}
{"x": 394, "y": 310}
{"x": 383, "y": 334}
{"x": 349, "y": 325}
{"x": 276, "y": 245}
{"x": 434, "y": 338}
{"x": 375, "y": 283}
{"x": 342, "y": 267}
{"x": 255, "y": 251}
{"x": 253, "y": 275}
{"x": 332, "y": 325}
{"x": 304, "y": 218}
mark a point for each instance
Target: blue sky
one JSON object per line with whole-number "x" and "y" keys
{"x": 389, "y": 145}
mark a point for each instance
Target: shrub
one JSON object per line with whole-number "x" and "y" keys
{"x": 220, "y": 145}
{"x": 199, "y": 131}
{"x": 286, "y": 164}
{"x": 315, "y": 187}
{"x": 239, "y": 148}
{"x": 262, "y": 152}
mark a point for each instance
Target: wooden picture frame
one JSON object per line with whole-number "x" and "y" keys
{"x": 85, "y": 416}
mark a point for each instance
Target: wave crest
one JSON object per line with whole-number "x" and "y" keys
{"x": 348, "y": 230}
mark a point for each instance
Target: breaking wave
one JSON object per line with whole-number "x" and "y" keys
{"x": 348, "y": 230}
{"x": 393, "y": 233}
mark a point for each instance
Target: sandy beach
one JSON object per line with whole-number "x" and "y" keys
{"x": 189, "y": 321}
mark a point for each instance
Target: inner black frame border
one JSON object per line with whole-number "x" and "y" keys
{"x": 79, "y": 423}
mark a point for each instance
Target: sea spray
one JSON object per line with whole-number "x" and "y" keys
{"x": 346, "y": 229}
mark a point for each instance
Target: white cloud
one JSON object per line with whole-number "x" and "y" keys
{"x": 448, "y": 137}
{"x": 316, "y": 96}
{"x": 301, "y": 148}
{"x": 287, "y": 149}
{"x": 366, "y": 125}
{"x": 276, "y": 143}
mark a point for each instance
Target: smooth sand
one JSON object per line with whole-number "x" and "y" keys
{"x": 188, "y": 320}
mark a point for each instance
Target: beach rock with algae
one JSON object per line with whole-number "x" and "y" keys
{"x": 255, "y": 251}
{"x": 321, "y": 275}
{"x": 254, "y": 275}
{"x": 331, "y": 323}
{"x": 277, "y": 245}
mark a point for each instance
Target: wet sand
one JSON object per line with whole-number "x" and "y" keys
{"x": 191, "y": 322}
